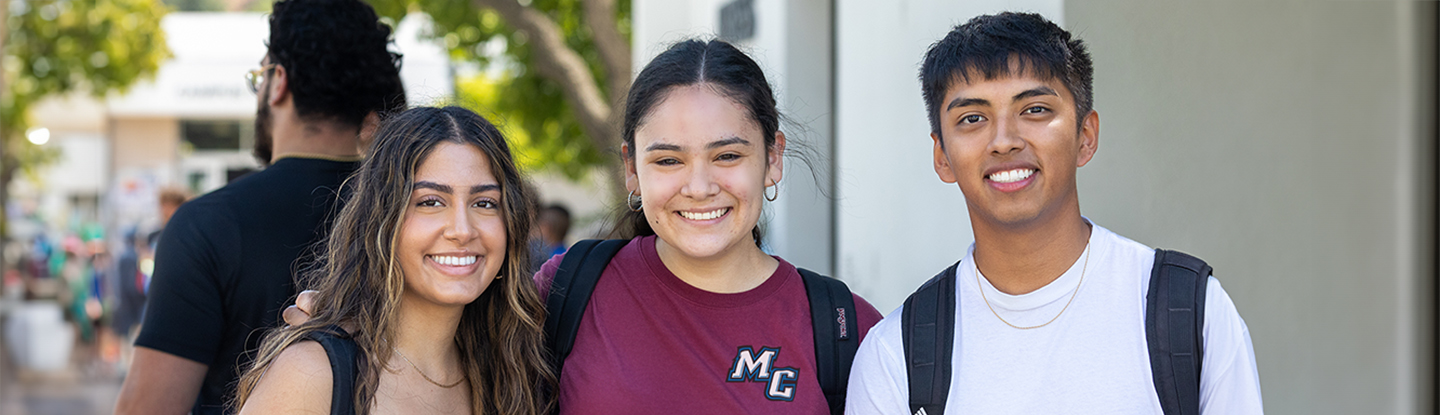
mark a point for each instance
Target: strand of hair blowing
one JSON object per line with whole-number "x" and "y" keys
{"x": 500, "y": 334}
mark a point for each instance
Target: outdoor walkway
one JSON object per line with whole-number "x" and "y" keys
{"x": 84, "y": 388}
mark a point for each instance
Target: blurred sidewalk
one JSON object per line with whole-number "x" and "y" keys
{"x": 85, "y": 387}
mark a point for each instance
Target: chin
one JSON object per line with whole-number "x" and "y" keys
{"x": 702, "y": 246}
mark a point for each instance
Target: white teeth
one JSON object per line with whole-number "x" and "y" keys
{"x": 454, "y": 261}
{"x": 705, "y": 215}
{"x": 1011, "y": 176}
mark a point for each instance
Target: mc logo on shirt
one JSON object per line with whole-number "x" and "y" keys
{"x": 752, "y": 366}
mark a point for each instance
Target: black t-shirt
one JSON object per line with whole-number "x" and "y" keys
{"x": 226, "y": 263}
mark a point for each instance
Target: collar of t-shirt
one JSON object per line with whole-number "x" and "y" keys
{"x": 1058, "y": 290}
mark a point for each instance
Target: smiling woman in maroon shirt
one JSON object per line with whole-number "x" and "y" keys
{"x": 691, "y": 316}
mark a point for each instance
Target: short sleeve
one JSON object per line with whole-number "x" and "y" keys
{"x": 866, "y": 314}
{"x": 878, "y": 382}
{"x": 546, "y": 275}
{"x": 184, "y": 314}
{"x": 1229, "y": 379}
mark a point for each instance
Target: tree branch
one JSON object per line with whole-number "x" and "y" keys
{"x": 557, "y": 62}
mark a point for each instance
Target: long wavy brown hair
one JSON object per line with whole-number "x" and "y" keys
{"x": 360, "y": 282}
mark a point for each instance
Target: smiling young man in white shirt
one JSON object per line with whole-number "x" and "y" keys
{"x": 1049, "y": 309}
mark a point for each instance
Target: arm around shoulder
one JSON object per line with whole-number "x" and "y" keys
{"x": 1229, "y": 378}
{"x": 299, "y": 381}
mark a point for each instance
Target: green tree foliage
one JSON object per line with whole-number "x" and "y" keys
{"x": 556, "y": 135}
{"x": 55, "y": 47}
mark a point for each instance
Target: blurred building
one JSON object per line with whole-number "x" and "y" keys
{"x": 192, "y": 126}
{"x": 1291, "y": 144}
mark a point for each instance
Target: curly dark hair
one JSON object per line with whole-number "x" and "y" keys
{"x": 336, "y": 57}
{"x": 986, "y": 45}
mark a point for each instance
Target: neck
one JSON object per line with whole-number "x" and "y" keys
{"x": 425, "y": 333}
{"x": 1020, "y": 258}
{"x": 296, "y": 137}
{"x": 738, "y": 268}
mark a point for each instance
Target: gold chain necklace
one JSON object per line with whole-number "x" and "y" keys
{"x": 1057, "y": 315}
{"x": 422, "y": 373}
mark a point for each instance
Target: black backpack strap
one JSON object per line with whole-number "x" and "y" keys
{"x": 344, "y": 366}
{"x": 570, "y": 292}
{"x": 1174, "y": 329}
{"x": 837, "y": 334}
{"x": 927, "y": 327}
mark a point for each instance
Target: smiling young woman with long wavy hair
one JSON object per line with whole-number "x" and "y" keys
{"x": 427, "y": 268}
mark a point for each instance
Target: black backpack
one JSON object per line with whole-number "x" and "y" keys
{"x": 832, "y": 313}
{"x": 1174, "y": 320}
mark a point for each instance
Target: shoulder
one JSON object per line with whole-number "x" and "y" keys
{"x": 1120, "y": 247}
{"x": 298, "y": 381}
{"x": 878, "y": 377}
{"x": 1222, "y": 319}
{"x": 545, "y": 276}
{"x": 1230, "y": 378}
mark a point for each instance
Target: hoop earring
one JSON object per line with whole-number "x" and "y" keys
{"x": 777, "y": 192}
{"x": 634, "y": 202}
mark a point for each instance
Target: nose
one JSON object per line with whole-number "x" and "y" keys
{"x": 1007, "y": 139}
{"x": 461, "y": 227}
{"x": 700, "y": 184}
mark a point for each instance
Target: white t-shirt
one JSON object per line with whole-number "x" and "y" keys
{"x": 1093, "y": 359}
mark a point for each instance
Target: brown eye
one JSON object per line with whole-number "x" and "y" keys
{"x": 971, "y": 119}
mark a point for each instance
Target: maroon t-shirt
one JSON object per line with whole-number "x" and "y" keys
{"x": 651, "y": 343}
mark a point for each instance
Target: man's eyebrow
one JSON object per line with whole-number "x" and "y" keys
{"x": 965, "y": 102}
{"x": 662, "y": 147}
{"x": 729, "y": 141}
{"x": 1034, "y": 92}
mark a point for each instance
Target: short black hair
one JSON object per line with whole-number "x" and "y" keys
{"x": 987, "y": 45}
{"x": 337, "y": 60}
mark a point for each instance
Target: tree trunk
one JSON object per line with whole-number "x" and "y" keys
{"x": 598, "y": 115}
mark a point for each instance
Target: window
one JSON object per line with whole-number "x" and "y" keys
{"x": 212, "y": 135}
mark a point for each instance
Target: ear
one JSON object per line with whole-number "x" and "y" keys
{"x": 1089, "y": 138}
{"x": 367, "y": 130}
{"x": 632, "y": 179}
{"x": 942, "y": 160}
{"x": 775, "y": 169}
{"x": 279, "y": 85}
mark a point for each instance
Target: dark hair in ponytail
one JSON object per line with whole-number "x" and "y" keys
{"x": 713, "y": 63}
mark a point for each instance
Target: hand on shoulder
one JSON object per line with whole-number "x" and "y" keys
{"x": 299, "y": 381}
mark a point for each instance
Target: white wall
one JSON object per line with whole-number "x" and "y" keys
{"x": 897, "y": 224}
{"x": 1282, "y": 142}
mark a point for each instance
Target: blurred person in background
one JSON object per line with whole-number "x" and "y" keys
{"x": 224, "y": 264}
{"x": 129, "y": 292}
{"x": 549, "y": 239}
{"x": 170, "y": 200}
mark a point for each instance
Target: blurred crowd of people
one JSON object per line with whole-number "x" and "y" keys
{"x": 98, "y": 280}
